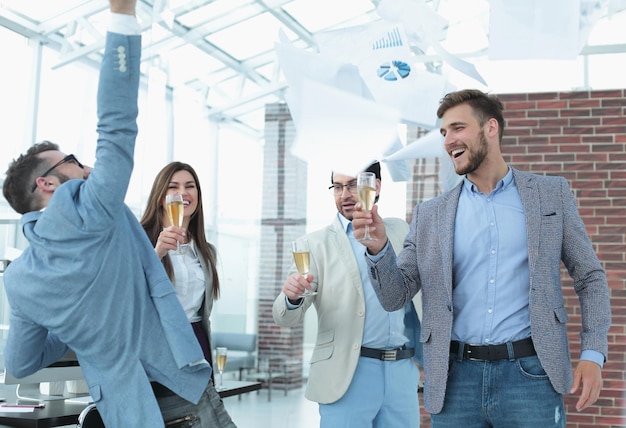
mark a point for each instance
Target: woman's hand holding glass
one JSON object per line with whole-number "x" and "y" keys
{"x": 168, "y": 240}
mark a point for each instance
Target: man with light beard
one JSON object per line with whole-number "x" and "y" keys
{"x": 487, "y": 257}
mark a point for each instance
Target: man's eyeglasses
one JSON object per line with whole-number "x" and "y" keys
{"x": 68, "y": 158}
{"x": 338, "y": 188}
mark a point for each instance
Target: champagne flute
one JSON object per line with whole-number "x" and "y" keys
{"x": 176, "y": 213}
{"x": 301, "y": 256}
{"x": 366, "y": 186}
{"x": 221, "y": 357}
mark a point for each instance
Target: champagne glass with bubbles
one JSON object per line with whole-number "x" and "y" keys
{"x": 176, "y": 213}
{"x": 366, "y": 186}
{"x": 301, "y": 256}
{"x": 221, "y": 355}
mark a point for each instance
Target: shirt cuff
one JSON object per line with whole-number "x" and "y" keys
{"x": 377, "y": 257}
{"x": 591, "y": 355}
{"x": 291, "y": 306}
{"x": 122, "y": 23}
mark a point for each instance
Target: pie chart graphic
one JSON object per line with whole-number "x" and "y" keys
{"x": 394, "y": 70}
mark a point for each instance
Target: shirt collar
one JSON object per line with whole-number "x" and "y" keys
{"x": 505, "y": 182}
{"x": 344, "y": 222}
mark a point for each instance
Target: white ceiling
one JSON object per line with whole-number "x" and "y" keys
{"x": 223, "y": 50}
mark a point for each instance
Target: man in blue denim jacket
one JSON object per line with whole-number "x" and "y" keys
{"x": 90, "y": 281}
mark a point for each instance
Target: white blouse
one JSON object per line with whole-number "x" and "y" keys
{"x": 189, "y": 282}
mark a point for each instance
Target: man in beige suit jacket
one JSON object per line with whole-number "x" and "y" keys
{"x": 362, "y": 370}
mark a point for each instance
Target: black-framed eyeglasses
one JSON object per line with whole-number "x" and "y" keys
{"x": 68, "y": 158}
{"x": 338, "y": 188}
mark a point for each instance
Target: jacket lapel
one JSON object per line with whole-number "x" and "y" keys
{"x": 446, "y": 214}
{"x": 529, "y": 194}
{"x": 346, "y": 255}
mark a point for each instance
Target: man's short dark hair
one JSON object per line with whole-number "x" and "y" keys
{"x": 375, "y": 168}
{"x": 20, "y": 176}
{"x": 485, "y": 106}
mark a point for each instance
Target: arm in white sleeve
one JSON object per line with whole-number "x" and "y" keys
{"x": 121, "y": 23}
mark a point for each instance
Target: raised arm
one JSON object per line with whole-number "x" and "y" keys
{"x": 126, "y": 7}
{"x": 105, "y": 190}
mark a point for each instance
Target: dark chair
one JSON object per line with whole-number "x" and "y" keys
{"x": 90, "y": 418}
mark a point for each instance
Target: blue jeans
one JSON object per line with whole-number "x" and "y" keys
{"x": 500, "y": 394}
{"x": 382, "y": 394}
{"x": 208, "y": 413}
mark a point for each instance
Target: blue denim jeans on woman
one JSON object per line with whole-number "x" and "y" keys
{"x": 500, "y": 394}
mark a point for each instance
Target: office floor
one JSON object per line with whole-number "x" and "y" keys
{"x": 254, "y": 411}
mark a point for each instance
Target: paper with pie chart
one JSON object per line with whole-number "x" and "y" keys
{"x": 382, "y": 54}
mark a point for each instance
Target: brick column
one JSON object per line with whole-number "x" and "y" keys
{"x": 283, "y": 219}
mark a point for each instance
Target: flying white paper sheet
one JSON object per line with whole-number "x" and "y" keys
{"x": 425, "y": 28}
{"x": 381, "y": 52}
{"x": 430, "y": 146}
{"x": 418, "y": 19}
{"x": 530, "y": 29}
{"x": 297, "y": 65}
{"x": 341, "y": 131}
{"x": 398, "y": 170}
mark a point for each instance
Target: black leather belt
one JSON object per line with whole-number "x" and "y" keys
{"x": 387, "y": 354}
{"x": 161, "y": 391}
{"x": 521, "y": 348}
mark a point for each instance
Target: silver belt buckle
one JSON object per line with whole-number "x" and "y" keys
{"x": 389, "y": 355}
{"x": 470, "y": 357}
{"x": 469, "y": 353}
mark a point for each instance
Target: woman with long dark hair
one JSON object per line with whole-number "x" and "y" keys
{"x": 193, "y": 272}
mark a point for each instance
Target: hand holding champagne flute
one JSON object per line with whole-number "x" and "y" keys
{"x": 221, "y": 355}
{"x": 366, "y": 186}
{"x": 176, "y": 213}
{"x": 301, "y": 256}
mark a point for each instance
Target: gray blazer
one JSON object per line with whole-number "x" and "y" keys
{"x": 556, "y": 234}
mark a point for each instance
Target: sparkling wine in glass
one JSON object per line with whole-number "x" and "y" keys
{"x": 176, "y": 213}
{"x": 366, "y": 186}
{"x": 302, "y": 258}
{"x": 221, "y": 355}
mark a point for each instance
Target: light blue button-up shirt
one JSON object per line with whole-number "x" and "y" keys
{"x": 382, "y": 329}
{"x": 490, "y": 266}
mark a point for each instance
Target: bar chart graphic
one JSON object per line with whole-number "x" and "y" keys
{"x": 394, "y": 70}
{"x": 392, "y": 39}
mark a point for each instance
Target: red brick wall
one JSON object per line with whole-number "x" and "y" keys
{"x": 582, "y": 137}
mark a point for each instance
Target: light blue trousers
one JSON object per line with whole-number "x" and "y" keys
{"x": 382, "y": 394}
